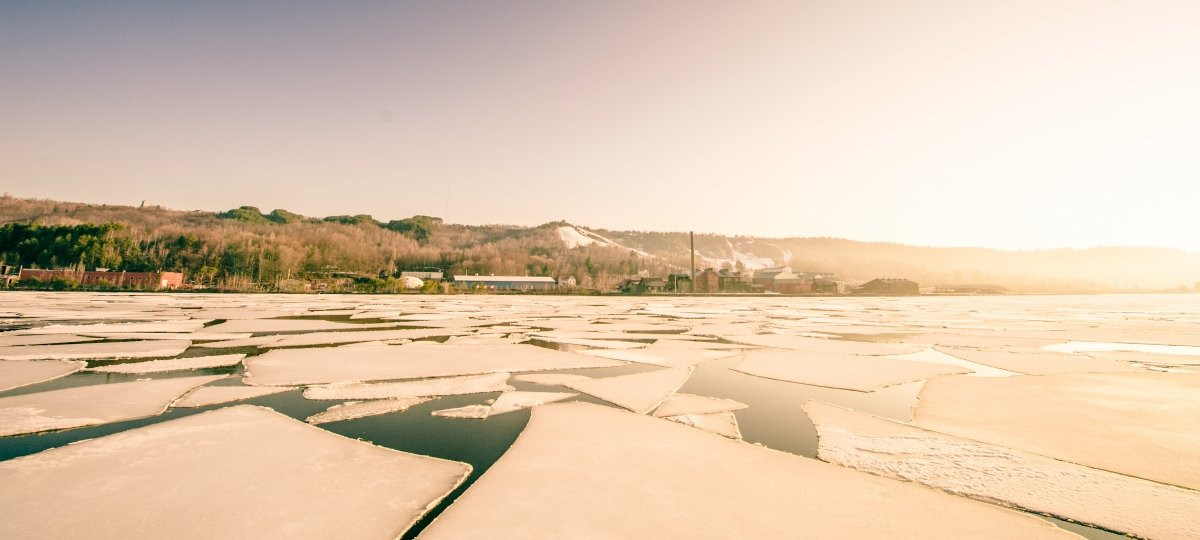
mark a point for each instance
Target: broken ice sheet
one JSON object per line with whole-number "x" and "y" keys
{"x": 258, "y": 341}
{"x": 478, "y": 412}
{"x": 848, "y": 372}
{"x": 445, "y": 386}
{"x": 550, "y": 379}
{"x": 1153, "y": 359}
{"x": 95, "y": 351}
{"x": 1039, "y": 361}
{"x": 130, "y": 327}
{"x": 639, "y": 392}
{"x": 679, "y": 404}
{"x": 9, "y": 339}
{"x": 1139, "y": 424}
{"x": 174, "y": 364}
{"x": 275, "y": 326}
{"x": 515, "y": 400}
{"x": 665, "y": 357}
{"x": 335, "y": 338}
{"x": 1005, "y": 476}
{"x": 722, "y": 423}
{"x": 15, "y": 373}
{"x": 360, "y": 409}
{"x": 588, "y": 471}
{"x": 413, "y": 361}
{"x": 236, "y": 472}
{"x": 91, "y": 405}
{"x": 830, "y": 346}
{"x": 212, "y": 395}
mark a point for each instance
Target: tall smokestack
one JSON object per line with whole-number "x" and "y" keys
{"x": 692, "y": 240}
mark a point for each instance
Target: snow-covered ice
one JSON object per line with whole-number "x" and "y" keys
{"x": 91, "y": 405}
{"x": 9, "y": 339}
{"x": 352, "y": 336}
{"x": 237, "y": 472}
{"x": 515, "y": 400}
{"x": 478, "y": 412}
{"x": 639, "y": 392}
{"x": 361, "y": 409}
{"x": 665, "y": 357}
{"x": 722, "y": 423}
{"x": 212, "y": 395}
{"x": 818, "y": 345}
{"x": 679, "y": 404}
{"x": 550, "y": 379}
{"x": 96, "y": 351}
{"x": 1005, "y": 476}
{"x": 174, "y": 364}
{"x": 1040, "y": 362}
{"x": 445, "y": 386}
{"x": 1140, "y": 424}
{"x": 15, "y": 373}
{"x": 588, "y": 471}
{"x": 848, "y": 372}
{"x": 413, "y": 361}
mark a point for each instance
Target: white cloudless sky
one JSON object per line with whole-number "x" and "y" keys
{"x": 1021, "y": 125}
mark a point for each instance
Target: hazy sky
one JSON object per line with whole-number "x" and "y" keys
{"x": 1003, "y": 123}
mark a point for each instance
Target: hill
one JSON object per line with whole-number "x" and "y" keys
{"x": 247, "y": 248}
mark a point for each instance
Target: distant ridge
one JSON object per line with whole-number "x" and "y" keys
{"x": 248, "y": 244}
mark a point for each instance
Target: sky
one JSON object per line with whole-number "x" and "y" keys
{"x": 1009, "y": 124}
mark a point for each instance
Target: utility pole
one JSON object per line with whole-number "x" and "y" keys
{"x": 692, "y": 240}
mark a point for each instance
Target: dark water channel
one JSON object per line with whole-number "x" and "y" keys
{"x": 774, "y": 417}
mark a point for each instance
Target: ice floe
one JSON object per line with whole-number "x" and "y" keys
{"x": 336, "y": 338}
{"x": 95, "y": 351}
{"x": 588, "y": 471}
{"x": 8, "y": 339}
{"x": 665, "y": 357}
{"x": 639, "y": 392}
{"x": 274, "y": 326}
{"x": 1140, "y": 424}
{"x": 212, "y": 395}
{"x": 237, "y": 472}
{"x": 174, "y": 364}
{"x": 446, "y": 386}
{"x": 1040, "y": 362}
{"x": 361, "y": 409}
{"x": 515, "y": 400}
{"x": 722, "y": 423}
{"x": 679, "y": 404}
{"x": 16, "y": 373}
{"x": 91, "y": 405}
{"x": 829, "y": 346}
{"x": 478, "y": 412}
{"x": 1004, "y": 476}
{"x": 848, "y": 372}
{"x": 550, "y": 379}
{"x": 386, "y": 362}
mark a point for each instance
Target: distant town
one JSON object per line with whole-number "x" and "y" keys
{"x": 780, "y": 280}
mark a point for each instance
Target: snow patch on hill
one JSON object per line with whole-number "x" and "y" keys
{"x": 574, "y": 237}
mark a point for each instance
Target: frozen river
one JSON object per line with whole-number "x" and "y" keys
{"x": 554, "y": 416}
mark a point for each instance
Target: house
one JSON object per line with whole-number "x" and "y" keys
{"x": 888, "y": 287}
{"x": 767, "y": 276}
{"x": 830, "y": 284}
{"x": 706, "y": 281}
{"x": 732, "y": 282}
{"x": 138, "y": 280}
{"x": 643, "y": 285}
{"x": 511, "y": 283}
{"x": 679, "y": 283}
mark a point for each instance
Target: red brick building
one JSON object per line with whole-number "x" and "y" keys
{"x": 136, "y": 280}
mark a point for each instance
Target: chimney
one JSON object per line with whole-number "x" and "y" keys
{"x": 692, "y": 240}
